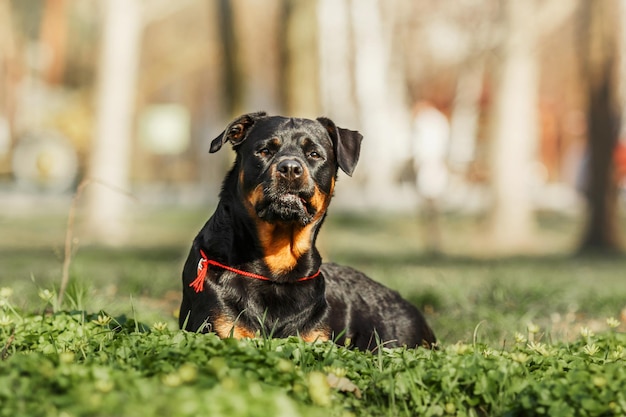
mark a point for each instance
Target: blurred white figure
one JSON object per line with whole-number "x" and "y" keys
{"x": 431, "y": 136}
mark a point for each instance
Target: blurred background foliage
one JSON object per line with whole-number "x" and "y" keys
{"x": 493, "y": 142}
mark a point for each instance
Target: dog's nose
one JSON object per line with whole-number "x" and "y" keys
{"x": 290, "y": 168}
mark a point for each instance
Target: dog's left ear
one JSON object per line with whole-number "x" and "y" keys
{"x": 347, "y": 144}
{"x": 236, "y": 131}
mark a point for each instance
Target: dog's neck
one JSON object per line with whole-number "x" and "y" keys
{"x": 286, "y": 250}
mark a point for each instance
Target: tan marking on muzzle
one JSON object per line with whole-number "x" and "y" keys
{"x": 253, "y": 197}
{"x": 321, "y": 200}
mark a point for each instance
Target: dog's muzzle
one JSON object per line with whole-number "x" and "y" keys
{"x": 286, "y": 197}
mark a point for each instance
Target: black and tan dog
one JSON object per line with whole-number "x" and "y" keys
{"x": 254, "y": 269}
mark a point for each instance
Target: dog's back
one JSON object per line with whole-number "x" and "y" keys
{"x": 352, "y": 295}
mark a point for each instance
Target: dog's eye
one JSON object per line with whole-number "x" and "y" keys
{"x": 314, "y": 155}
{"x": 264, "y": 152}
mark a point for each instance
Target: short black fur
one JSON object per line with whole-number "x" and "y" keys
{"x": 272, "y": 204}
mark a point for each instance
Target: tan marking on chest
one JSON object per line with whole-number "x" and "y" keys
{"x": 283, "y": 245}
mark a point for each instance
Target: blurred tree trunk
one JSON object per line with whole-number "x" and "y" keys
{"x": 382, "y": 100}
{"x": 257, "y": 54}
{"x": 514, "y": 131}
{"x": 514, "y": 118}
{"x": 54, "y": 28}
{"x": 600, "y": 26}
{"x": 9, "y": 76}
{"x": 299, "y": 88}
{"x": 335, "y": 51}
{"x": 231, "y": 89}
{"x": 465, "y": 115}
{"x": 115, "y": 105}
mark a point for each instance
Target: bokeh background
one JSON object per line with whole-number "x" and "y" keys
{"x": 493, "y": 163}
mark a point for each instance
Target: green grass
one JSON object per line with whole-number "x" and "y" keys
{"x": 67, "y": 361}
{"x": 68, "y": 364}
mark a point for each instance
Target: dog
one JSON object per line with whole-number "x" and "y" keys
{"x": 253, "y": 269}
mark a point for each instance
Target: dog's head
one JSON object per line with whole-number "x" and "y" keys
{"x": 287, "y": 166}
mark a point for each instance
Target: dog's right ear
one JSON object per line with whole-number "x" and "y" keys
{"x": 237, "y": 131}
{"x": 347, "y": 144}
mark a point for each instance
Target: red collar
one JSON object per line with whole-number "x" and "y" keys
{"x": 203, "y": 267}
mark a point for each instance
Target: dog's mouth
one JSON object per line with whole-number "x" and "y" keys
{"x": 286, "y": 207}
